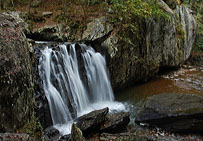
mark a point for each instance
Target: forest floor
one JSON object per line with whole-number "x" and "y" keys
{"x": 75, "y": 12}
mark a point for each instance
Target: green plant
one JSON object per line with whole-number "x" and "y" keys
{"x": 129, "y": 15}
{"x": 33, "y": 128}
{"x": 197, "y": 8}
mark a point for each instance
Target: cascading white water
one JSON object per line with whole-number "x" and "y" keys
{"x": 67, "y": 93}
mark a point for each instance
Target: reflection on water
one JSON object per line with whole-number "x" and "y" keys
{"x": 186, "y": 81}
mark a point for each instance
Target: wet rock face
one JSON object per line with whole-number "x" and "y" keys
{"x": 173, "y": 112}
{"x": 42, "y": 106}
{"x": 100, "y": 121}
{"x": 163, "y": 44}
{"x": 16, "y": 84}
{"x": 91, "y": 122}
{"x": 51, "y": 133}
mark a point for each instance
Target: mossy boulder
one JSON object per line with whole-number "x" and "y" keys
{"x": 16, "y": 79}
{"x": 162, "y": 43}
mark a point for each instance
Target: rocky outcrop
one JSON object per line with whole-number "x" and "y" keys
{"x": 49, "y": 33}
{"x": 163, "y": 43}
{"x": 16, "y": 79}
{"x": 173, "y": 112}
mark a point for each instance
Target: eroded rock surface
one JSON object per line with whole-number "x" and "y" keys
{"x": 16, "y": 78}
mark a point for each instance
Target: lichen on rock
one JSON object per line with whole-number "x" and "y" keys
{"x": 16, "y": 80}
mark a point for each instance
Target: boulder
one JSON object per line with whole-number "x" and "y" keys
{"x": 173, "y": 112}
{"x": 51, "y": 133}
{"x": 97, "y": 29}
{"x": 115, "y": 123}
{"x": 16, "y": 78}
{"x": 19, "y": 20}
{"x": 65, "y": 138}
{"x": 163, "y": 44}
{"x": 91, "y": 122}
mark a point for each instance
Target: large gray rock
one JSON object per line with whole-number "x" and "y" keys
{"x": 19, "y": 21}
{"x": 173, "y": 112}
{"x": 163, "y": 43}
{"x": 16, "y": 78}
{"x": 97, "y": 29}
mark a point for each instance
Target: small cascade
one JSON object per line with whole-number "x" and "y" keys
{"x": 75, "y": 81}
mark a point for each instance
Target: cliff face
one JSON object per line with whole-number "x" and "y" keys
{"x": 16, "y": 85}
{"x": 162, "y": 43}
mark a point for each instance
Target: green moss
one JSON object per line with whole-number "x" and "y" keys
{"x": 33, "y": 128}
{"x": 180, "y": 32}
{"x": 130, "y": 17}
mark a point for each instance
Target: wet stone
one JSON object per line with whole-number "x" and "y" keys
{"x": 173, "y": 112}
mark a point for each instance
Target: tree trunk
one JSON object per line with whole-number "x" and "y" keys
{"x": 2, "y": 4}
{"x": 12, "y": 3}
{"x": 29, "y": 8}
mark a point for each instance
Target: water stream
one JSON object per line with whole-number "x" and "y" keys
{"x": 187, "y": 80}
{"x": 75, "y": 81}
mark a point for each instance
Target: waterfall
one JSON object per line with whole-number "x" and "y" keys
{"x": 75, "y": 81}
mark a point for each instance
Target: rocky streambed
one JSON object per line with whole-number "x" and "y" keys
{"x": 172, "y": 110}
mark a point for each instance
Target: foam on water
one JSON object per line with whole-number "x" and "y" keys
{"x": 68, "y": 94}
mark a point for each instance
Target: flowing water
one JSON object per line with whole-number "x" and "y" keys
{"x": 75, "y": 81}
{"x": 188, "y": 80}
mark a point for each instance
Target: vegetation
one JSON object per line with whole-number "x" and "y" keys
{"x": 129, "y": 14}
{"x": 197, "y": 7}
